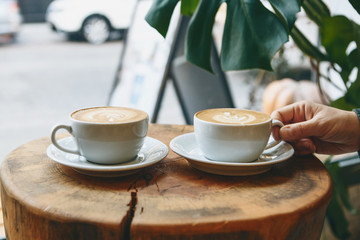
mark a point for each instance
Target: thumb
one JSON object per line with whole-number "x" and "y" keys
{"x": 299, "y": 130}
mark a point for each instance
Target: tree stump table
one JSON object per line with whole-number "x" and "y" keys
{"x": 169, "y": 200}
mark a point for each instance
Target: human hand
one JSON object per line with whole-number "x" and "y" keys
{"x": 311, "y": 127}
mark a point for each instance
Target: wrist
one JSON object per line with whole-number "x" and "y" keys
{"x": 357, "y": 126}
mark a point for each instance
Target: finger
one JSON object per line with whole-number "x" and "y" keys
{"x": 291, "y": 113}
{"x": 296, "y": 131}
{"x": 275, "y": 131}
{"x": 304, "y": 146}
{"x": 285, "y": 114}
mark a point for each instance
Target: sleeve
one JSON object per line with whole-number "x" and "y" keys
{"x": 357, "y": 111}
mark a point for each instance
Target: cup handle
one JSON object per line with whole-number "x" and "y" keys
{"x": 275, "y": 142}
{"x": 56, "y": 144}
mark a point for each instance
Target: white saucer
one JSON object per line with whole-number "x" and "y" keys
{"x": 152, "y": 152}
{"x": 186, "y": 146}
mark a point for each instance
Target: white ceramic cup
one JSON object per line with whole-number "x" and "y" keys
{"x": 234, "y": 142}
{"x": 105, "y": 142}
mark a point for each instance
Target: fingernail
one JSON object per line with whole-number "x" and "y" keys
{"x": 306, "y": 145}
{"x": 284, "y": 131}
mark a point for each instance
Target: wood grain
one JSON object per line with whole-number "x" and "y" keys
{"x": 169, "y": 200}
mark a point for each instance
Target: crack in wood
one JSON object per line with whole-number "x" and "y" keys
{"x": 130, "y": 215}
{"x": 147, "y": 177}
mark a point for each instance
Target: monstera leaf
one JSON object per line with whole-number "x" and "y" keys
{"x": 253, "y": 33}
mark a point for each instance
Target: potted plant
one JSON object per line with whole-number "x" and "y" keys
{"x": 253, "y": 34}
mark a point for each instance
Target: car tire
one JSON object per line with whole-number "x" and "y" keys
{"x": 96, "y": 30}
{"x": 74, "y": 36}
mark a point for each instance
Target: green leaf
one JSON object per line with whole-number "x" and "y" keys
{"x": 287, "y": 9}
{"x": 341, "y": 103}
{"x": 306, "y": 46}
{"x": 336, "y": 35}
{"x": 356, "y": 33}
{"x": 188, "y": 7}
{"x": 336, "y": 218}
{"x": 341, "y": 188}
{"x": 335, "y": 213}
{"x": 252, "y": 36}
{"x": 356, "y": 5}
{"x": 316, "y": 10}
{"x": 354, "y": 58}
{"x": 199, "y": 35}
{"x": 159, "y": 15}
{"x": 352, "y": 95}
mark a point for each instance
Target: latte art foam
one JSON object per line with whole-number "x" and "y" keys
{"x": 109, "y": 115}
{"x": 227, "y": 117}
{"x": 232, "y": 116}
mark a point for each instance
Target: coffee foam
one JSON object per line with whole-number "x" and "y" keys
{"x": 232, "y": 116}
{"x": 109, "y": 115}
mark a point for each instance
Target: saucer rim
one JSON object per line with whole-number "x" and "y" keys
{"x": 220, "y": 163}
{"x": 90, "y": 166}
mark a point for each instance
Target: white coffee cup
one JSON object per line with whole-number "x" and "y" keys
{"x": 105, "y": 135}
{"x": 233, "y": 135}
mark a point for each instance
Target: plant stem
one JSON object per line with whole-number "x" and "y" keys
{"x": 259, "y": 78}
{"x": 324, "y": 97}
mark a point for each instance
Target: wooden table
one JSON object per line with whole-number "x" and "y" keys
{"x": 169, "y": 200}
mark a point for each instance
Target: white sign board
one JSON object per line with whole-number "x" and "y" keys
{"x": 145, "y": 61}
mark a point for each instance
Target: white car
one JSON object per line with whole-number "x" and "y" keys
{"x": 10, "y": 18}
{"x": 93, "y": 19}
